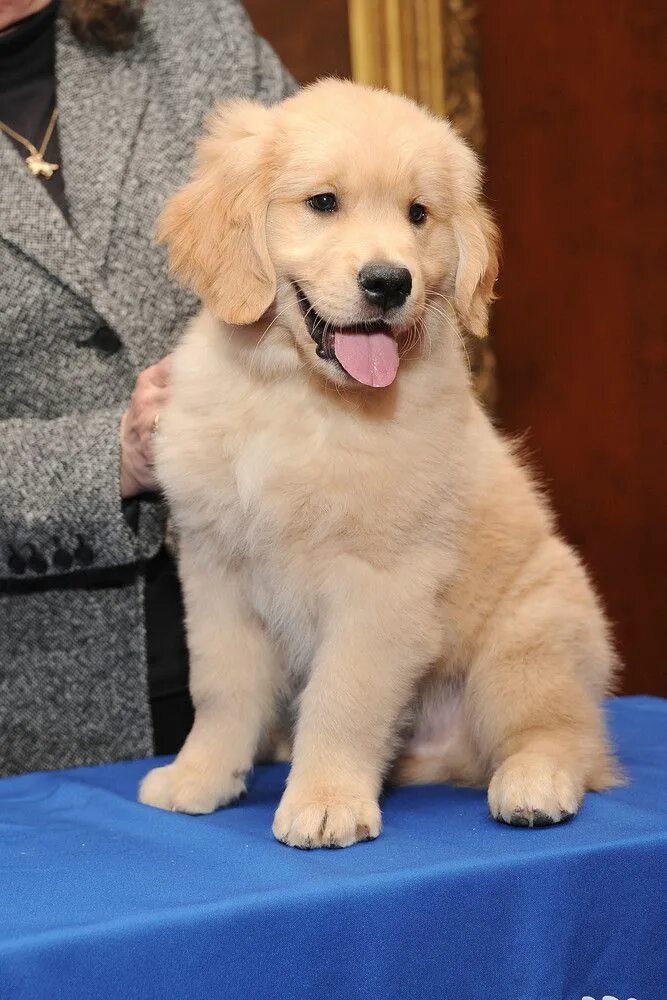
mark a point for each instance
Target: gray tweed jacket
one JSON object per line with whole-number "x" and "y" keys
{"x": 83, "y": 308}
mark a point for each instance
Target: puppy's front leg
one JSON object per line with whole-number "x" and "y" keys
{"x": 232, "y": 681}
{"x": 376, "y": 645}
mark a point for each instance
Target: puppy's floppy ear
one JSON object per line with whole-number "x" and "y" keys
{"x": 215, "y": 226}
{"x": 478, "y": 242}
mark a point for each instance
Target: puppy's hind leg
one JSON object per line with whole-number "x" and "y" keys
{"x": 534, "y": 695}
{"x": 232, "y": 682}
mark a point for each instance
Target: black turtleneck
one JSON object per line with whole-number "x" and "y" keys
{"x": 28, "y": 90}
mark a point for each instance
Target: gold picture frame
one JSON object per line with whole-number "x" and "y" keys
{"x": 427, "y": 49}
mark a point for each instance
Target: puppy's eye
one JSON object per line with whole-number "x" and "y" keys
{"x": 417, "y": 213}
{"x": 323, "y": 202}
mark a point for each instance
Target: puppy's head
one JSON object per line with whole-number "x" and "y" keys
{"x": 349, "y": 216}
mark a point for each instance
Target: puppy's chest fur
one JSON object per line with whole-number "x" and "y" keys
{"x": 270, "y": 466}
{"x": 289, "y": 490}
{"x": 292, "y": 485}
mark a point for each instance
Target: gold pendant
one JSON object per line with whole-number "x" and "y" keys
{"x": 39, "y": 167}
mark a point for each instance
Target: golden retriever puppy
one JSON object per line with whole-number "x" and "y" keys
{"x": 362, "y": 554}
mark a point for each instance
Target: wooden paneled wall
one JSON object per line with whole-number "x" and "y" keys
{"x": 575, "y": 103}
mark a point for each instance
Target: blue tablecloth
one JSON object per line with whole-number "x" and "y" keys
{"x": 104, "y": 898}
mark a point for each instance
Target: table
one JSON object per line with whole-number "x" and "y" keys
{"x": 101, "y": 897}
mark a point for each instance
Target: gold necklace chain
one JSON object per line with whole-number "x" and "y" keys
{"x": 35, "y": 162}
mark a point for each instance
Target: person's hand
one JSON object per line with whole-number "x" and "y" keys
{"x": 137, "y": 429}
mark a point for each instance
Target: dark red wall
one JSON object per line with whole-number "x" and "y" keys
{"x": 575, "y": 97}
{"x": 311, "y": 37}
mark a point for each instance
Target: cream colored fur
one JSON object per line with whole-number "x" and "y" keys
{"x": 372, "y": 566}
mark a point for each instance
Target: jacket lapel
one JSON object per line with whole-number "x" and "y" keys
{"x": 30, "y": 220}
{"x": 101, "y": 97}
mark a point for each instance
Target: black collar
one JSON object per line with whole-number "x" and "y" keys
{"x": 27, "y": 49}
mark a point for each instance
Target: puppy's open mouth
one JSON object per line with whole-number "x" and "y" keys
{"x": 367, "y": 351}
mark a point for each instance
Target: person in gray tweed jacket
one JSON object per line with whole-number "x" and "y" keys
{"x": 87, "y": 313}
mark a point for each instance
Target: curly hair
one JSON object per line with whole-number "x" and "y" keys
{"x": 111, "y": 24}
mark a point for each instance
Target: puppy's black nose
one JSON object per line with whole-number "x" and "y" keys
{"x": 385, "y": 285}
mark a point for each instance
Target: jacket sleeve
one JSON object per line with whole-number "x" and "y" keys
{"x": 60, "y": 505}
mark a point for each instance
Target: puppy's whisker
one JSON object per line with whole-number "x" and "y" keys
{"x": 428, "y": 339}
{"x": 274, "y": 320}
{"x": 445, "y": 298}
{"x": 325, "y": 332}
{"x": 454, "y": 328}
{"x": 309, "y": 310}
{"x": 422, "y": 332}
{"x": 450, "y": 321}
{"x": 411, "y": 339}
{"x": 423, "y": 335}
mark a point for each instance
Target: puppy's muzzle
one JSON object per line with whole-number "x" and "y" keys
{"x": 385, "y": 285}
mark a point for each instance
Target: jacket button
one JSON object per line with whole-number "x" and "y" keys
{"x": 62, "y": 559}
{"x": 36, "y": 562}
{"x": 16, "y": 564}
{"x": 83, "y": 553}
{"x": 104, "y": 339}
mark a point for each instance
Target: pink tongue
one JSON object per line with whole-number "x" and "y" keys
{"x": 370, "y": 358}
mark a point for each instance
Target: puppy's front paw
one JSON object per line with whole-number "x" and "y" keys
{"x": 326, "y": 820}
{"x": 182, "y": 788}
{"x": 532, "y": 789}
